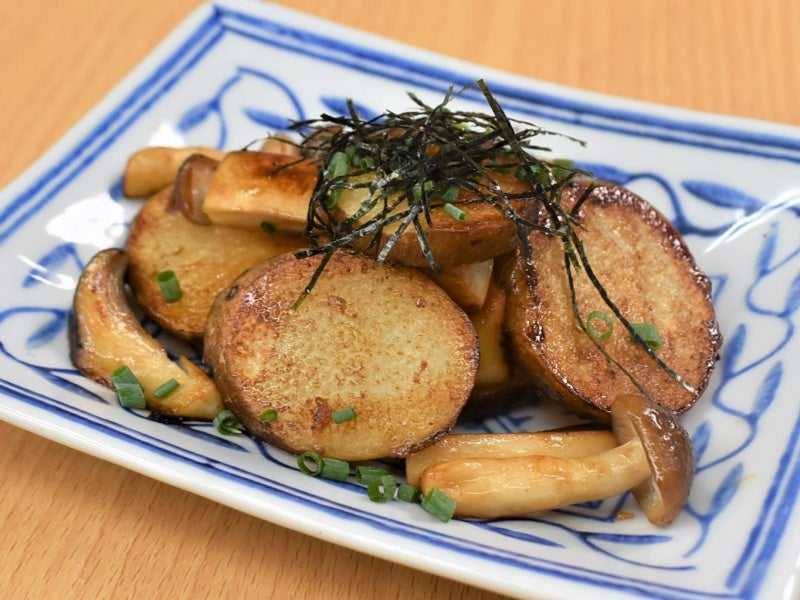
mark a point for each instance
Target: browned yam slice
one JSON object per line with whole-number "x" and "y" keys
{"x": 649, "y": 274}
{"x": 105, "y": 334}
{"x": 249, "y": 188}
{"x": 485, "y": 233}
{"x": 385, "y": 341}
{"x": 205, "y": 259}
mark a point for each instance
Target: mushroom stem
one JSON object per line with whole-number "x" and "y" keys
{"x": 518, "y": 486}
{"x": 654, "y": 458}
{"x": 566, "y": 443}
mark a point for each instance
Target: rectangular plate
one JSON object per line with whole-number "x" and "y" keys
{"x": 234, "y": 70}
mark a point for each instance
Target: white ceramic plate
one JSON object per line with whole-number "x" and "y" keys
{"x": 234, "y": 70}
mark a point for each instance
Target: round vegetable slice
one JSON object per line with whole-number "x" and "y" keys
{"x": 381, "y": 341}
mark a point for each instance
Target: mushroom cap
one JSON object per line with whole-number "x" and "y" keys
{"x": 669, "y": 452}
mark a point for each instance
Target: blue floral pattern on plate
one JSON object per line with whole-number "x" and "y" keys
{"x": 234, "y": 72}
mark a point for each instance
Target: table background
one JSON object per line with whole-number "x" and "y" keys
{"x": 76, "y": 527}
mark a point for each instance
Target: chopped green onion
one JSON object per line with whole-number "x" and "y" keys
{"x": 226, "y": 423}
{"x": 311, "y": 463}
{"x": 129, "y": 390}
{"x": 366, "y": 473}
{"x": 408, "y": 493}
{"x": 350, "y": 152}
{"x": 268, "y": 416}
{"x": 416, "y": 189}
{"x": 455, "y": 212}
{"x": 305, "y": 467}
{"x": 268, "y": 227}
{"x": 439, "y": 504}
{"x": 563, "y": 168}
{"x": 599, "y": 315}
{"x": 123, "y": 374}
{"x": 344, "y": 414}
{"x": 166, "y": 388}
{"x": 131, "y": 395}
{"x": 335, "y": 469}
{"x": 170, "y": 288}
{"x": 450, "y": 194}
{"x": 648, "y": 333}
{"x": 382, "y": 489}
{"x": 338, "y": 166}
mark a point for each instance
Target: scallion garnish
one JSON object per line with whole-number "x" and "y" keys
{"x": 408, "y": 493}
{"x": 338, "y": 166}
{"x": 366, "y": 473}
{"x": 439, "y": 504}
{"x": 449, "y": 195}
{"x": 123, "y": 374}
{"x": 600, "y": 334}
{"x": 269, "y": 415}
{"x": 455, "y": 212}
{"x": 129, "y": 390}
{"x": 344, "y": 414}
{"x": 268, "y": 227}
{"x": 131, "y": 395}
{"x": 563, "y": 168}
{"x": 166, "y": 388}
{"x": 226, "y": 423}
{"x": 648, "y": 334}
{"x": 382, "y": 489}
{"x": 311, "y": 463}
{"x": 335, "y": 469}
{"x": 170, "y": 288}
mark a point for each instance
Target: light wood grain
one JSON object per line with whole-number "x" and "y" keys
{"x": 77, "y": 527}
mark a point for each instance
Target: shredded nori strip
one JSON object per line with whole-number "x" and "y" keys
{"x": 411, "y": 162}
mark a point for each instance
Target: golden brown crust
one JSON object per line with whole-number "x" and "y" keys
{"x": 205, "y": 258}
{"x": 649, "y": 273}
{"x": 486, "y": 233}
{"x": 384, "y": 340}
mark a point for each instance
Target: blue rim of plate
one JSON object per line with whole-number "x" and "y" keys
{"x": 221, "y": 21}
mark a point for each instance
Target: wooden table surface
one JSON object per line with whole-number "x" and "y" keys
{"x": 74, "y": 526}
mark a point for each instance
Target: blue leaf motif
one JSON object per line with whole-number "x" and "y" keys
{"x": 629, "y": 539}
{"x": 339, "y": 106}
{"x": 51, "y": 261}
{"x": 47, "y": 332}
{"x": 605, "y": 172}
{"x": 766, "y": 392}
{"x": 519, "y": 535}
{"x": 722, "y": 195}
{"x": 194, "y": 116}
{"x": 267, "y": 119}
{"x": 793, "y": 303}
{"x": 726, "y": 490}
{"x": 700, "y": 439}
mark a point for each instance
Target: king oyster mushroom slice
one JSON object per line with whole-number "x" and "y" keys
{"x": 654, "y": 458}
{"x": 568, "y": 442}
{"x": 105, "y": 334}
{"x": 191, "y": 184}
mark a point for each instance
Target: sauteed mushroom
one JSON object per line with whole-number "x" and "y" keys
{"x": 654, "y": 458}
{"x": 105, "y": 335}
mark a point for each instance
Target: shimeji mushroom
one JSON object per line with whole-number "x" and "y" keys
{"x": 654, "y": 459}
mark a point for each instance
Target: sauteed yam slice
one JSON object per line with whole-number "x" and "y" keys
{"x": 649, "y": 274}
{"x": 382, "y": 340}
{"x": 205, "y": 259}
